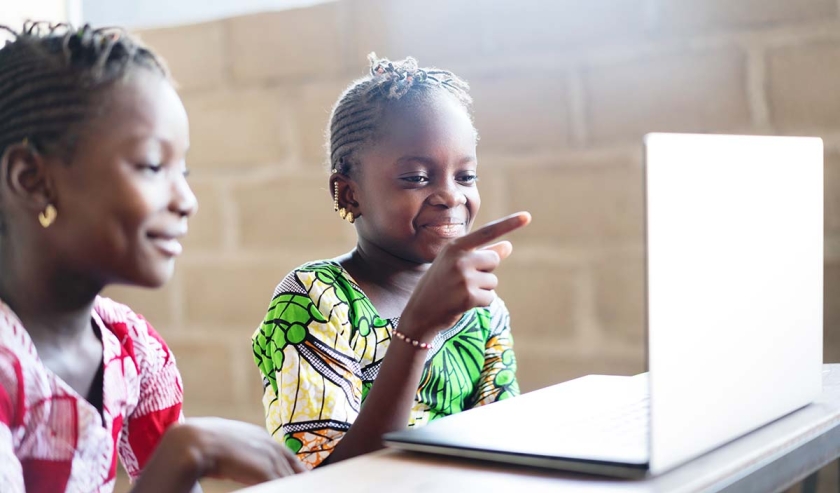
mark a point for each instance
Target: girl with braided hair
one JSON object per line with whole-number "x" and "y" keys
{"x": 405, "y": 328}
{"x": 93, "y": 192}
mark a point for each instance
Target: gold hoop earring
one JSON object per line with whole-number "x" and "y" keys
{"x": 335, "y": 201}
{"x": 47, "y": 217}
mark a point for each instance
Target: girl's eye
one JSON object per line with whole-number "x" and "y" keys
{"x": 150, "y": 168}
{"x": 468, "y": 179}
{"x": 415, "y": 179}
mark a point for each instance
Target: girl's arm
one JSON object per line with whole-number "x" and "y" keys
{"x": 459, "y": 279}
{"x": 11, "y": 472}
{"x": 217, "y": 448}
{"x": 388, "y": 404}
{"x": 163, "y": 453}
{"x": 11, "y": 384}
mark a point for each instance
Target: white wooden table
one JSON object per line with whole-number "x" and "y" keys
{"x": 772, "y": 458}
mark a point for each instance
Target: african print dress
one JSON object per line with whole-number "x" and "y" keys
{"x": 321, "y": 344}
{"x": 52, "y": 439}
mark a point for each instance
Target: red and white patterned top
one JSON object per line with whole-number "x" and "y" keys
{"x": 52, "y": 439}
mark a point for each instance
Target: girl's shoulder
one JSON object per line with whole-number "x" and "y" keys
{"x": 496, "y": 316}
{"x": 497, "y": 308}
{"x": 22, "y": 379}
{"x": 140, "y": 341}
{"x": 314, "y": 278}
{"x": 322, "y": 292}
{"x": 13, "y": 338}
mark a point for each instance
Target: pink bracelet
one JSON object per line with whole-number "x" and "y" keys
{"x": 413, "y": 342}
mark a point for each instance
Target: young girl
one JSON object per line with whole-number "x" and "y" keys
{"x": 93, "y": 192}
{"x": 405, "y": 328}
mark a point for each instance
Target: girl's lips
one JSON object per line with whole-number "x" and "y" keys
{"x": 446, "y": 230}
{"x": 167, "y": 244}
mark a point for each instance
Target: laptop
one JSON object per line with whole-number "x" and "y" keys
{"x": 734, "y": 300}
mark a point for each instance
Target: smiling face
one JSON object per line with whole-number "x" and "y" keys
{"x": 123, "y": 200}
{"x": 416, "y": 183}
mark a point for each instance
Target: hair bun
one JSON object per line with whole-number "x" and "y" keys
{"x": 399, "y": 75}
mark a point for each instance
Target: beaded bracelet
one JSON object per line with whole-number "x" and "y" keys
{"x": 413, "y": 342}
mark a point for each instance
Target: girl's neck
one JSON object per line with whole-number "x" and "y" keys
{"x": 388, "y": 281}
{"x": 54, "y": 307}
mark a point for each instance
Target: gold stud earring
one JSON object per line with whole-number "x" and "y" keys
{"x": 350, "y": 218}
{"x": 335, "y": 201}
{"x": 47, "y": 217}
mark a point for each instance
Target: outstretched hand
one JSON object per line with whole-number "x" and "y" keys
{"x": 460, "y": 278}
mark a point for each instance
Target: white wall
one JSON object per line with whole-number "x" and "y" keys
{"x": 159, "y": 13}
{"x": 14, "y": 12}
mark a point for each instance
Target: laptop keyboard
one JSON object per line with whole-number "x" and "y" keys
{"x": 597, "y": 418}
{"x": 618, "y": 429}
{"x": 628, "y": 423}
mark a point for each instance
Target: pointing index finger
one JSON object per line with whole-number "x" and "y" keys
{"x": 491, "y": 231}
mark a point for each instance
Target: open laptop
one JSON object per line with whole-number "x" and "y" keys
{"x": 734, "y": 233}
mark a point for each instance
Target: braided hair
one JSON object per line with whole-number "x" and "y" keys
{"x": 52, "y": 75}
{"x": 356, "y": 116}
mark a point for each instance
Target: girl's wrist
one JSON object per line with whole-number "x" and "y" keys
{"x": 410, "y": 341}
{"x": 415, "y": 330}
{"x": 187, "y": 454}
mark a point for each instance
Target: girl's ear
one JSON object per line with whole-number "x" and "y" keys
{"x": 345, "y": 194}
{"x": 24, "y": 177}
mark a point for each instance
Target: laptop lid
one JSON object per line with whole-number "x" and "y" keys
{"x": 734, "y": 286}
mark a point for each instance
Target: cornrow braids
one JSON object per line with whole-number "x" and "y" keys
{"x": 51, "y": 76}
{"x": 356, "y": 116}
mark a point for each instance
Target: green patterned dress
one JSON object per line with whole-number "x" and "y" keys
{"x": 322, "y": 342}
